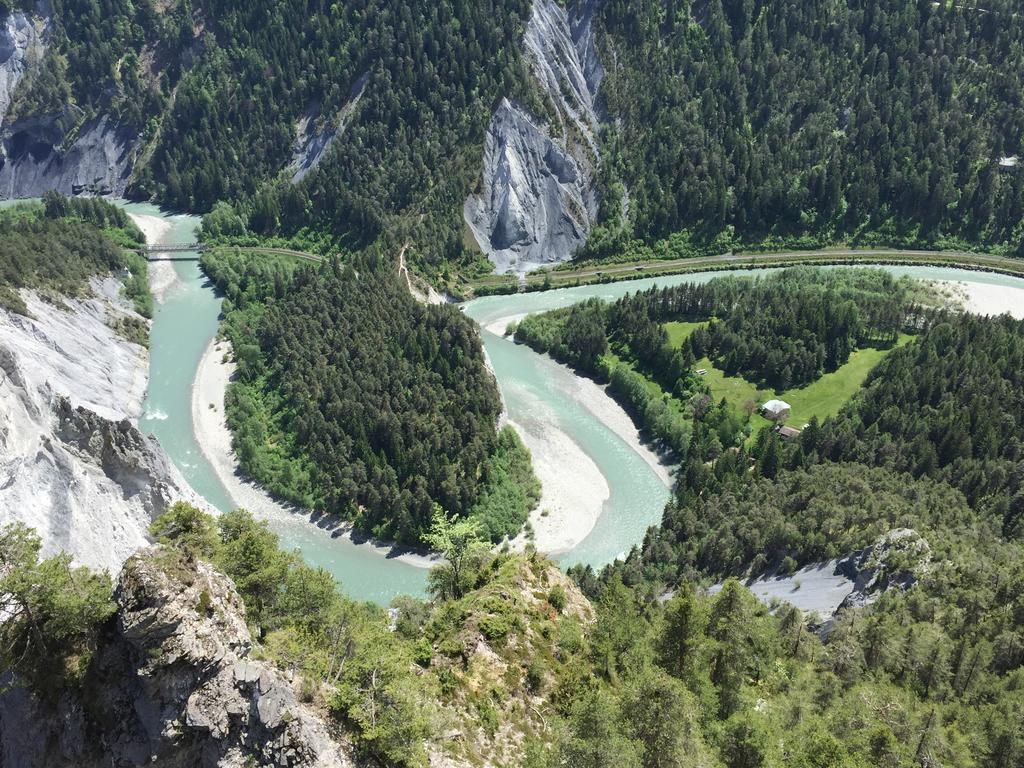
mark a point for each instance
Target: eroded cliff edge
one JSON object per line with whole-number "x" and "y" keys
{"x": 172, "y": 684}
{"x": 65, "y": 150}
{"x": 537, "y": 200}
{"x": 73, "y": 465}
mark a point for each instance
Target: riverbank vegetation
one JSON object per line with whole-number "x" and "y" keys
{"x": 58, "y": 245}
{"x": 354, "y": 399}
{"x": 801, "y": 332}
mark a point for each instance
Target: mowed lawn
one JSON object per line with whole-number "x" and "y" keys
{"x": 678, "y": 332}
{"x": 822, "y": 398}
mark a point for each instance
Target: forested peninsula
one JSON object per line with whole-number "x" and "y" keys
{"x": 354, "y": 399}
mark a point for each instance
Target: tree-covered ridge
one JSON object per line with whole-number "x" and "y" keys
{"x": 951, "y": 407}
{"x": 428, "y": 74}
{"x": 59, "y": 245}
{"x": 947, "y": 649}
{"x": 354, "y": 399}
{"x": 530, "y": 674}
{"x": 786, "y": 329}
{"x": 881, "y": 121}
{"x": 943, "y": 409}
{"x": 804, "y": 319}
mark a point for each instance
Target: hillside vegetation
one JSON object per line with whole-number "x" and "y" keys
{"x": 729, "y": 122}
{"x": 516, "y": 668}
{"x": 57, "y": 246}
{"x": 782, "y": 122}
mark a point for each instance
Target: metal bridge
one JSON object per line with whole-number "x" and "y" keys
{"x": 192, "y": 251}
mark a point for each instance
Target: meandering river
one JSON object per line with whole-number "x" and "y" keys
{"x": 533, "y": 386}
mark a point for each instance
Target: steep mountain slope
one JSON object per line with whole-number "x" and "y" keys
{"x": 73, "y": 374}
{"x": 72, "y": 463}
{"x": 524, "y": 131}
{"x": 537, "y": 203}
{"x": 23, "y": 42}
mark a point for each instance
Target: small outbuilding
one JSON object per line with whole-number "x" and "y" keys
{"x": 775, "y": 410}
{"x": 788, "y": 433}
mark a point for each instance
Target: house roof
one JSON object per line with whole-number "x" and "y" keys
{"x": 775, "y": 406}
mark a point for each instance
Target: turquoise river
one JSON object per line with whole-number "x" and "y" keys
{"x": 533, "y": 386}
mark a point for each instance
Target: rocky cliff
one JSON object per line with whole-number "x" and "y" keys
{"x": 61, "y": 151}
{"x": 72, "y": 464}
{"x": 23, "y": 42}
{"x": 314, "y": 135}
{"x": 55, "y": 152}
{"x": 536, "y": 203}
{"x": 172, "y": 684}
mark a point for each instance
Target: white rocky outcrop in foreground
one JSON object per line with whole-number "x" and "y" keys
{"x": 536, "y": 203}
{"x": 72, "y": 463}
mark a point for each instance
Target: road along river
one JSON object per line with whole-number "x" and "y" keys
{"x": 602, "y": 487}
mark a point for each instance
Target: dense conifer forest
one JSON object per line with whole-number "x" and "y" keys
{"x": 880, "y": 121}
{"x": 729, "y": 122}
{"x": 931, "y": 447}
{"x": 354, "y": 399}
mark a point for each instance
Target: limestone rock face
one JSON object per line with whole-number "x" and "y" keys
{"x": 312, "y": 142}
{"x": 99, "y": 161}
{"x": 60, "y": 151}
{"x": 534, "y": 208}
{"x": 72, "y": 464}
{"x": 537, "y": 203}
{"x": 895, "y": 561}
{"x": 173, "y": 685}
{"x": 23, "y": 41}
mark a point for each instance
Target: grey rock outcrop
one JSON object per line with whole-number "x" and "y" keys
{"x": 33, "y": 157}
{"x": 23, "y": 42}
{"x": 312, "y": 142}
{"x": 173, "y": 684}
{"x": 60, "y": 151}
{"x": 72, "y": 464}
{"x": 534, "y": 207}
{"x": 536, "y": 203}
{"x": 896, "y": 561}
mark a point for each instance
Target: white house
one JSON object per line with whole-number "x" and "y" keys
{"x": 776, "y": 410}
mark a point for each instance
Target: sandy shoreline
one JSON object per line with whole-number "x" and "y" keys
{"x": 571, "y": 502}
{"x": 574, "y": 489}
{"x": 985, "y": 299}
{"x": 602, "y": 406}
{"x": 214, "y": 439}
{"x": 161, "y": 273}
